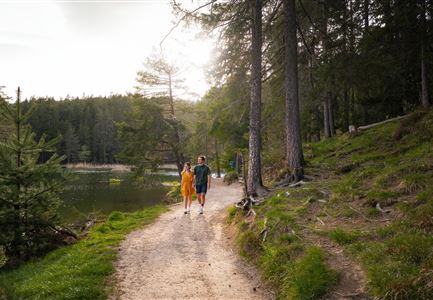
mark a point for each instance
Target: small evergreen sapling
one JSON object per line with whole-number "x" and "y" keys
{"x": 29, "y": 190}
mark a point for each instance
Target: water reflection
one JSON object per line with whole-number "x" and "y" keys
{"x": 103, "y": 191}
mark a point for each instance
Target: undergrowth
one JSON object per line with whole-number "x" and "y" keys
{"x": 375, "y": 190}
{"x": 79, "y": 271}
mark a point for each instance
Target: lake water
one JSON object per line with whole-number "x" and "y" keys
{"x": 101, "y": 192}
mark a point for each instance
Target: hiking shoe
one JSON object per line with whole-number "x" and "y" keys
{"x": 201, "y": 210}
{"x": 185, "y": 211}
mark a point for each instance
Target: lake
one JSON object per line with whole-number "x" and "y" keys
{"x": 104, "y": 191}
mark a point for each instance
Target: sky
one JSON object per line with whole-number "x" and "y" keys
{"x": 95, "y": 47}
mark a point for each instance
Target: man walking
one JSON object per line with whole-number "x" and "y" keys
{"x": 202, "y": 180}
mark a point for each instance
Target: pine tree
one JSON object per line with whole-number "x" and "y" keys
{"x": 29, "y": 190}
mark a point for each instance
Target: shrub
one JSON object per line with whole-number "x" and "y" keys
{"x": 231, "y": 177}
{"x": 175, "y": 193}
{"x": 116, "y": 216}
{"x": 232, "y": 210}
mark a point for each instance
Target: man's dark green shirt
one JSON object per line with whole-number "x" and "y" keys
{"x": 201, "y": 173}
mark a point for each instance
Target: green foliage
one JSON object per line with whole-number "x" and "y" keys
{"x": 232, "y": 211}
{"x": 175, "y": 193}
{"x": 400, "y": 268}
{"x": 144, "y": 131}
{"x": 395, "y": 171}
{"x": 310, "y": 277}
{"x": 29, "y": 190}
{"x": 343, "y": 237}
{"x": 79, "y": 271}
{"x": 231, "y": 177}
{"x": 3, "y": 258}
{"x": 87, "y": 125}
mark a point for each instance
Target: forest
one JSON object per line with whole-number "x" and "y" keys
{"x": 295, "y": 89}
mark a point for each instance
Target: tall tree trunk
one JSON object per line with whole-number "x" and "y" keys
{"x": 346, "y": 34}
{"x": 316, "y": 108}
{"x": 327, "y": 109}
{"x": 18, "y": 239}
{"x": 294, "y": 155}
{"x": 254, "y": 174}
{"x": 218, "y": 167}
{"x": 366, "y": 16}
{"x": 177, "y": 146}
{"x": 346, "y": 109}
{"x": 331, "y": 108}
{"x": 326, "y": 125}
{"x": 424, "y": 85}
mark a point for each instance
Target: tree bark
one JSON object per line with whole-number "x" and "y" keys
{"x": 346, "y": 109}
{"x": 218, "y": 167}
{"x": 424, "y": 85}
{"x": 294, "y": 155}
{"x": 327, "y": 109}
{"x": 254, "y": 174}
{"x": 366, "y": 15}
{"x": 331, "y": 114}
{"x": 326, "y": 118}
{"x": 177, "y": 147}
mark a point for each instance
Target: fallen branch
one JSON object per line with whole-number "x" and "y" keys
{"x": 379, "y": 123}
{"x": 381, "y": 209}
{"x": 321, "y": 222}
{"x": 64, "y": 231}
{"x": 297, "y": 184}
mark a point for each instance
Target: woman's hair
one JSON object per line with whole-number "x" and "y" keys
{"x": 188, "y": 164}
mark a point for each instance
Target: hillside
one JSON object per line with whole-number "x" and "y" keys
{"x": 362, "y": 228}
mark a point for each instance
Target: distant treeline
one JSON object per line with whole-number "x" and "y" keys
{"x": 88, "y": 125}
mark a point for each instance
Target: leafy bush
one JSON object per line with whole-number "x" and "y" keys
{"x": 175, "y": 193}
{"x": 231, "y": 177}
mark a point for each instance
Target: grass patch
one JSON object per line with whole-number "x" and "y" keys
{"x": 343, "y": 237}
{"x": 271, "y": 242}
{"x": 309, "y": 278}
{"x": 78, "y": 271}
{"x": 400, "y": 267}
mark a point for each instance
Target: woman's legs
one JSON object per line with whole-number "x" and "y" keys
{"x": 189, "y": 202}
{"x": 185, "y": 201}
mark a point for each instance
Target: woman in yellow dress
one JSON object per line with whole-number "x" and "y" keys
{"x": 187, "y": 187}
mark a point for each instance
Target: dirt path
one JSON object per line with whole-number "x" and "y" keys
{"x": 186, "y": 256}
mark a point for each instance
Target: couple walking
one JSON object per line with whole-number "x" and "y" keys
{"x": 197, "y": 180}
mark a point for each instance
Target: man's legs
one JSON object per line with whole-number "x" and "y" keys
{"x": 203, "y": 199}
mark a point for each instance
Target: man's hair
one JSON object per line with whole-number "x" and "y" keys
{"x": 202, "y": 157}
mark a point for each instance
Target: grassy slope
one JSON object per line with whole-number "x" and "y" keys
{"x": 391, "y": 165}
{"x": 79, "y": 271}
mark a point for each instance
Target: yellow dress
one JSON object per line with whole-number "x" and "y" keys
{"x": 186, "y": 185}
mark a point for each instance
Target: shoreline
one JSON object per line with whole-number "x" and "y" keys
{"x": 80, "y": 270}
